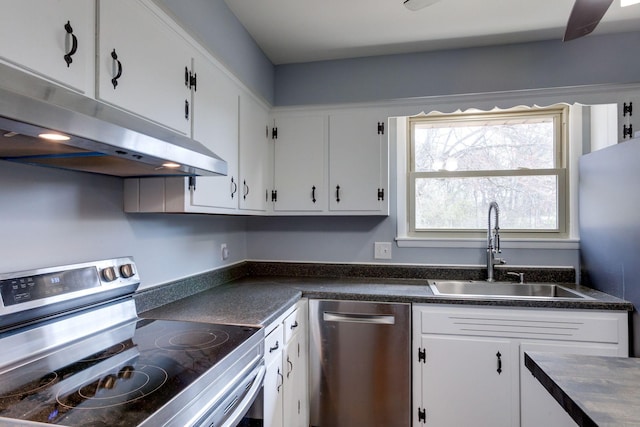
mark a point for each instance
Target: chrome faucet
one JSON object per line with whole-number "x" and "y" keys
{"x": 493, "y": 242}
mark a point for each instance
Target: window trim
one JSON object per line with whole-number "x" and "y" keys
{"x": 560, "y": 114}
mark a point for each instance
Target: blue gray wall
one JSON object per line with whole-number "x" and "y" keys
{"x": 213, "y": 23}
{"x": 52, "y": 217}
{"x": 589, "y": 60}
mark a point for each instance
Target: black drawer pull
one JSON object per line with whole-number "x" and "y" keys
{"x": 114, "y": 80}
{"x": 74, "y": 44}
{"x": 294, "y": 325}
{"x": 274, "y": 348}
{"x": 338, "y": 193}
{"x": 234, "y": 188}
{"x": 499, "y": 356}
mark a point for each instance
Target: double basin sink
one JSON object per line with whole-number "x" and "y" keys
{"x": 505, "y": 290}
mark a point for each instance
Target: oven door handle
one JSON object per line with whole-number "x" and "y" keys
{"x": 243, "y": 406}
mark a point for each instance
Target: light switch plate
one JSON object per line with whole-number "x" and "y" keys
{"x": 382, "y": 250}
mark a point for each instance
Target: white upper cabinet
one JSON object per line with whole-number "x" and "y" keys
{"x": 54, "y": 39}
{"x": 300, "y": 163}
{"x": 255, "y": 155}
{"x": 142, "y": 64}
{"x": 331, "y": 164}
{"x": 358, "y": 163}
{"x": 215, "y": 124}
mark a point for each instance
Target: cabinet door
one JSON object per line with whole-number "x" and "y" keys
{"x": 274, "y": 394}
{"x": 296, "y": 395}
{"x": 147, "y": 77}
{"x": 358, "y": 165}
{"x": 255, "y": 155}
{"x": 299, "y": 164}
{"x": 293, "y": 369}
{"x": 466, "y": 381}
{"x": 215, "y": 124}
{"x": 537, "y": 406}
{"x": 34, "y": 36}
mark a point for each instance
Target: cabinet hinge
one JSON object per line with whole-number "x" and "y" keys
{"x": 627, "y": 131}
{"x": 193, "y": 81}
{"x": 627, "y": 109}
{"x": 422, "y": 415}
{"x": 380, "y": 128}
{"x": 274, "y": 195}
{"x": 192, "y": 183}
{"x": 422, "y": 355}
{"x": 274, "y": 133}
{"x": 380, "y": 194}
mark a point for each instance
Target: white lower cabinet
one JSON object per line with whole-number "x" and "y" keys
{"x": 286, "y": 399}
{"x": 468, "y": 366}
{"x": 465, "y": 380}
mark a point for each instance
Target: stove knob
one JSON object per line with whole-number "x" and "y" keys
{"x": 126, "y": 271}
{"x": 109, "y": 274}
{"x": 109, "y": 382}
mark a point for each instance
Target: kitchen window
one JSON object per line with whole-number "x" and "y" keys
{"x": 459, "y": 162}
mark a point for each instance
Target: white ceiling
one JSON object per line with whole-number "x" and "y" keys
{"x": 291, "y": 31}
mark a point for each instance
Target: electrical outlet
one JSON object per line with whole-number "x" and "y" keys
{"x": 382, "y": 250}
{"x": 224, "y": 251}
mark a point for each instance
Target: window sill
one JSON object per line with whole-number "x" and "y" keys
{"x": 505, "y": 243}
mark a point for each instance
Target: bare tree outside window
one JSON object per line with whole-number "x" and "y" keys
{"x": 460, "y": 163}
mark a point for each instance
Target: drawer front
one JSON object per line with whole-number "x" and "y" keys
{"x": 562, "y": 325}
{"x": 292, "y": 324}
{"x": 273, "y": 344}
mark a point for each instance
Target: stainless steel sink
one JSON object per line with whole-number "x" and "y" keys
{"x": 507, "y": 290}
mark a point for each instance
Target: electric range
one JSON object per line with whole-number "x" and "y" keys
{"x": 75, "y": 353}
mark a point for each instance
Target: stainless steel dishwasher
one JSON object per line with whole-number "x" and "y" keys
{"x": 359, "y": 364}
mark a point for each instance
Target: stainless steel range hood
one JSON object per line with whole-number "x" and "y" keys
{"x": 103, "y": 139}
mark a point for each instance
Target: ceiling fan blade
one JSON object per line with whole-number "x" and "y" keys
{"x": 585, "y": 16}
{"x": 418, "y": 4}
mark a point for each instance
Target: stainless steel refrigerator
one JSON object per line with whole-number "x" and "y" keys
{"x": 609, "y": 218}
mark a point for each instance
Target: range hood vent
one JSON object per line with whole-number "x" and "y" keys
{"x": 102, "y": 138}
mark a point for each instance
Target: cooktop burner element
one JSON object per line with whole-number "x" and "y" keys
{"x": 192, "y": 340}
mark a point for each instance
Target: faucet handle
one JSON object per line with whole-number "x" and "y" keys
{"x": 520, "y": 275}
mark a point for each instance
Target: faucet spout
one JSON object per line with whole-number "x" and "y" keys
{"x": 493, "y": 241}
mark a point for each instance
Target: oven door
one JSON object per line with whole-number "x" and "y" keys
{"x": 230, "y": 411}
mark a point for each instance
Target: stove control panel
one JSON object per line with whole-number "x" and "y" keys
{"x": 34, "y": 288}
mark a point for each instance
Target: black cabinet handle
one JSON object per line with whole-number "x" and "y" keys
{"x": 234, "y": 188}
{"x": 186, "y": 76}
{"x": 246, "y": 190}
{"x": 290, "y": 366}
{"x": 74, "y": 44}
{"x": 338, "y": 193}
{"x": 499, "y": 356}
{"x": 274, "y": 348}
{"x": 114, "y": 80}
{"x": 294, "y": 325}
{"x": 186, "y": 109}
{"x": 313, "y": 194}
{"x": 281, "y": 380}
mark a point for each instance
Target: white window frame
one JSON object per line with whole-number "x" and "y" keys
{"x": 563, "y": 238}
{"x": 558, "y": 113}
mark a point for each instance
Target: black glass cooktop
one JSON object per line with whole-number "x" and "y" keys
{"x": 140, "y": 368}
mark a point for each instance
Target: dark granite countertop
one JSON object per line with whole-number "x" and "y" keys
{"x": 594, "y": 390}
{"x": 260, "y": 300}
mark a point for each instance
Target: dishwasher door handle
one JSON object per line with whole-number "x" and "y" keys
{"x": 375, "y": 319}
